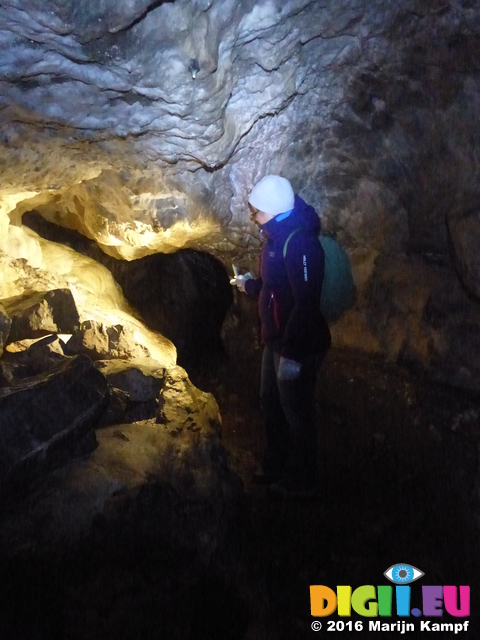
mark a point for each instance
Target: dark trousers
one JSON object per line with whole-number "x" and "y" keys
{"x": 288, "y": 409}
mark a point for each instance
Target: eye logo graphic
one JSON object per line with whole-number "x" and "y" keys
{"x": 403, "y": 573}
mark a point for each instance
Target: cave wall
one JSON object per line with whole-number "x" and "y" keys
{"x": 143, "y": 126}
{"x": 132, "y": 118}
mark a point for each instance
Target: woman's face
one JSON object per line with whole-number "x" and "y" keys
{"x": 259, "y": 217}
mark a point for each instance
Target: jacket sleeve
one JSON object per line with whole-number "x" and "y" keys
{"x": 304, "y": 263}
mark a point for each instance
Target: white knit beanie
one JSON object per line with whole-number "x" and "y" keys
{"x": 272, "y": 195}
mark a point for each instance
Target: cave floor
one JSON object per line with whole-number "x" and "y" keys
{"x": 397, "y": 484}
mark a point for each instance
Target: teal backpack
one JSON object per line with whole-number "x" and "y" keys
{"x": 338, "y": 288}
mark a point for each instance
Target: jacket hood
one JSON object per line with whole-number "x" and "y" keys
{"x": 303, "y": 216}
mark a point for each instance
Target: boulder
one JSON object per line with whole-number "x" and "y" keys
{"x": 5, "y": 324}
{"x": 39, "y": 314}
{"x": 44, "y": 417}
{"x": 141, "y": 378}
{"x": 49, "y": 347}
{"x": 41, "y": 354}
{"x": 27, "y": 358}
{"x": 101, "y": 342}
{"x": 180, "y": 400}
{"x": 179, "y": 458}
{"x": 116, "y": 410}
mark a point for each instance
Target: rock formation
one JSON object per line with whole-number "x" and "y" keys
{"x": 146, "y": 130}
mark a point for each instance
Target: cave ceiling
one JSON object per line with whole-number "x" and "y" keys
{"x": 143, "y": 124}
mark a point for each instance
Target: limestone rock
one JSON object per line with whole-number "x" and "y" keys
{"x": 44, "y": 417}
{"x": 184, "y": 296}
{"x": 343, "y": 97}
{"x": 420, "y": 315}
{"x": 143, "y": 125}
{"x": 51, "y": 347}
{"x": 462, "y": 364}
{"x": 31, "y": 357}
{"x": 99, "y": 341}
{"x": 147, "y": 461}
{"x": 142, "y": 379}
{"x": 97, "y": 295}
{"x": 180, "y": 400}
{"x": 116, "y": 410}
{"x": 5, "y": 324}
{"x": 35, "y": 315}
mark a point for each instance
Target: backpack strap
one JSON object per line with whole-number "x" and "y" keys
{"x": 288, "y": 240}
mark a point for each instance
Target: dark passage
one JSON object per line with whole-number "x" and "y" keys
{"x": 185, "y": 296}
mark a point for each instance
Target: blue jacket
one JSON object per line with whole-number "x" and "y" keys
{"x": 289, "y": 289}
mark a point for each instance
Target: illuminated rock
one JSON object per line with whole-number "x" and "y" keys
{"x": 97, "y": 296}
{"x": 140, "y": 378}
{"x": 146, "y": 130}
{"x": 28, "y": 358}
{"x": 39, "y": 314}
{"x": 101, "y": 342}
{"x": 49, "y": 347}
{"x": 183, "y": 460}
{"x": 180, "y": 400}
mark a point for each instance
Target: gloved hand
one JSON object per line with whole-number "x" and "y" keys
{"x": 240, "y": 281}
{"x": 288, "y": 369}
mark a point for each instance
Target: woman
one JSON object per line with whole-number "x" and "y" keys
{"x": 294, "y": 332}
